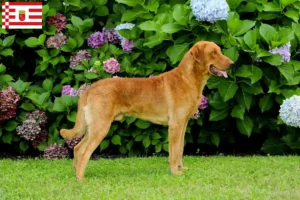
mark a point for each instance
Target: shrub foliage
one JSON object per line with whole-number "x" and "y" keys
{"x": 244, "y": 105}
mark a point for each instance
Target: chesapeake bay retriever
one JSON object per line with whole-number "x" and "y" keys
{"x": 168, "y": 99}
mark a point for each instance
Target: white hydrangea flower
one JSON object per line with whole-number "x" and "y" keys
{"x": 290, "y": 111}
{"x": 210, "y": 10}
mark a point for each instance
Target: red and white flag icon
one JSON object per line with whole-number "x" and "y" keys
{"x": 22, "y": 15}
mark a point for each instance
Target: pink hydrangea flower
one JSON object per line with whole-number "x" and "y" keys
{"x": 58, "y": 20}
{"x": 111, "y": 66}
{"x": 204, "y": 103}
{"x": 68, "y": 90}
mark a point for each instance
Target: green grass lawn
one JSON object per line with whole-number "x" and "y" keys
{"x": 149, "y": 178}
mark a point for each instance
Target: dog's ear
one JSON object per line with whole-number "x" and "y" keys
{"x": 198, "y": 53}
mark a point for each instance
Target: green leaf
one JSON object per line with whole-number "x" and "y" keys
{"x": 268, "y": 32}
{"x": 181, "y": 14}
{"x": 142, "y": 124}
{"x": 227, "y": 90}
{"x": 287, "y": 71}
{"x": 266, "y": 102}
{"x": 32, "y": 42}
{"x": 42, "y": 39}
{"x": 245, "y": 126}
{"x": 272, "y": 7}
{"x": 8, "y": 41}
{"x": 23, "y": 145}
{"x": 59, "y": 105}
{"x": 215, "y": 139}
{"x": 43, "y": 98}
{"x": 102, "y": 11}
{"x": 2, "y": 68}
{"x": 245, "y": 26}
{"x": 7, "y": 138}
{"x": 74, "y": 2}
{"x": 72, "y": 43}
{"x": 131, "y": 15}
{"x": 7, "y": 52}
{"x": 146, "y": 141}
{"x": 28, "y": 106}
{"x": 128, "y": 2}
{"x": 287, "y": 2}
{"x": 155, "y": 135}
{"x": 177, "y": 51}
{"x": 273, "y": 60}
{"x": 244, "y": 71}
{"x": 166, "y": 147}
{"x": 274, "y": 145}
{"x": 20, "y": 86}
{"x": 116, "y": 140}
{"x": 217, "y": 115}
{"x": 238, "y": 112}
{"x": 257, "y": 74}
{"x": 43, "y": 53}
{"x": 104, "y": 144}
{"x": 148, "y": 26}
{"x": 6, "y": 78}
{"x": 72, "y": 116}
{"x": 91, "y": 75}
{"x": 42, "y": 146}
{"x": 171, "y": 28}
{"x": 47, "y": 85}
{"x": 129, "y": 145}
{"x": 154, "y": 40}
{"x": 232, "y": 53}
{"x": 100, "y": 2}
{"x": 11, "y": 125}
{"x": 244, "y": 99}
{"x": 293, "y": 14}
{"x": 76, "y": 21}
{"x": 250, "y": 39}
{"x": 158, "y": 147}
{"x": 87, "y": 24}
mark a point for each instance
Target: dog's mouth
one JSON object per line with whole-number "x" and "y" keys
{"x": 217, "y": 72}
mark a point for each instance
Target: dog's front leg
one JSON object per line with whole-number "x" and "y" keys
{"x": 175, "y": 130}
{"x": 182, "y": 136}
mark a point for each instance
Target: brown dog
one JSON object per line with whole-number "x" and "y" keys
{"x": 168, "y": 99}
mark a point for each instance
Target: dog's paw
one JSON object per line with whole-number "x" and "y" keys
{"x": 182, "y": 167}
{"x": 176, "y": 172}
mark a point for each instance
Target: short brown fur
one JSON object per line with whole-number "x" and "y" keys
{"x": 168, "y": 99}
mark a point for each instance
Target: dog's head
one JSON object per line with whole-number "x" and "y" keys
{"x": 208, "y": 56}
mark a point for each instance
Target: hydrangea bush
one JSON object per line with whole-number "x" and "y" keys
{"x": 43, "y": 72}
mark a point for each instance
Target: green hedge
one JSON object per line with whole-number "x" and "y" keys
{"x": 245, "y": 104}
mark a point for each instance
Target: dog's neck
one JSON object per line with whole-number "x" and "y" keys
{"x": 194, "y": 71}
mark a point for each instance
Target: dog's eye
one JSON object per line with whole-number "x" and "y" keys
{"x": 214, "y": 52}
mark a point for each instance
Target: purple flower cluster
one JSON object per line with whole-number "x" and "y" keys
{"x": 202, "y": 106}
{"x": 111, "y": 66}
{"x": 73, "y": 142}
{"x": 56, "y": 151}
{"x": 8, "y": 103}
{"x": 68, "y": 90}
{"x": 83, "y": 88}
{"x": 127, "y": 45}
{"x": 204, "y": 103}
{"x": 34, "y": 128}
{"x": 57, "y": 40}
{"x": 58, "y": 20}
{"x": 78, "y": 57}
{"x": 284, "y": 51}
{"x": 97, "y": 39}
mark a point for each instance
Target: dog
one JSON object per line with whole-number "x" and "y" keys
{"x": 168, "y": 99}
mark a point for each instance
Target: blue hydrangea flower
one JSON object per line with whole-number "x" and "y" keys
{"x": 290, "y": 111}
{"x": 284, "y": 51}
{"x": 210, "y": 10}
{"x": 124, "y": 26}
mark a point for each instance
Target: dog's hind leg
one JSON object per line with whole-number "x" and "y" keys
{"x": 99, "y": 122}
{"x": 80, "y": 124}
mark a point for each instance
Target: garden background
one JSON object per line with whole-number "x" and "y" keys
{"x": 83, "y": 41}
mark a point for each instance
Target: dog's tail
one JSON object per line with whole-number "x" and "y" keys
{"x": 80, "y": 125}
